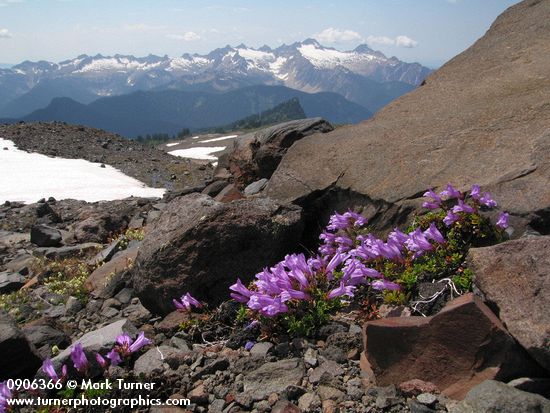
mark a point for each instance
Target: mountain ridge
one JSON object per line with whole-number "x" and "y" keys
{"x": 307, "y": 66}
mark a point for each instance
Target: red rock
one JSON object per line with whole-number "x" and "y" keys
{"x": 456, "y": 349}
{"x": 198, "y": 395}
{"x": 515, "y": 277}
{"x": 228, "y": 194}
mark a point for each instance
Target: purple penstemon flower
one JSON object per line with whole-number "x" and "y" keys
{"x": 126, "y": 346}
{"x": 488, "y": 201}
{"x": 101, "y": 360}
{"x": 475, "y": 193}
{"x": 114, "y": 356}
{"x": 186, "y": 303}
{"x": 418, "y": 242}
{"x": 433, "y": 233}
{"x": 463, "y": 207}
{"x": 249, "y": 344}
{"x": 502, "y": 221}
{"x": 241, "y": 293}
{"x": 268, "y": 306}
{"x": 341, "y": 290}
{"x": 384, "y": 285}
{"x": 450, "y": 218}
{"x": 49, "y": 370}
{"x": 347, "y": 220}
{"x": 450, "y": 192}
{"x": 5, "y": 395}
{"x": 80, "y": 361}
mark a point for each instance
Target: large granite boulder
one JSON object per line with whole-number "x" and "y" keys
{"x": 202, "y": 246}
{"x": 19, "y": 357}
{"x": 484, "y": 118}
{"x": 515, "y": 278}
{"x": 256, "y": 155}
{"x": 456, "y": 349}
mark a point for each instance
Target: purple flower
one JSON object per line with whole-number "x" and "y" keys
{"x": 140, "y": 341}
{"x": 450, "y": 192}
{"x": 268, "y": 306}
{"x": 431, "y": 194}
{"x": 502, "y": 221}
{"x": 100, "y": 360}
{"x": 487, "y": 200}
{"x": 397, "y": 236}
{"x": 336, "y": 260}
{"x": 186, "y": 302}
{"x": 430, "y": 205}
{"x": 79, "y": 358}
{"x": 418, "y": 242}
{"x": 463, "y": 207}
{"x": 5, "y": 395}
{"x": 126, "y": 346}
{"x": 249, "y": 344}
{"x": 49, "y": 370}
{"x": 384, "y": 285}
{"x": 241, "y": 293}
{"x": 347, "y": 220}
{"x": 114, "y": 357}
{"x": 433, "y": 233}
{"x": 450, "y": 218}
{"x": 341, "y": 290}
{"x": 253, "y": 324}
{"x": 475, "y": 192}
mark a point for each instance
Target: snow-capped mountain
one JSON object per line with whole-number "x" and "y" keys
{"x": 361, "y": 75}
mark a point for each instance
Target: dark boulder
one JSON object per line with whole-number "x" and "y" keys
{"x": 202, "y": 246}
{"x": 44, "y": 236}
{"x": 515, "y": 278}
{"x": 256, "y": 155}
{"x": 19, "y": 358}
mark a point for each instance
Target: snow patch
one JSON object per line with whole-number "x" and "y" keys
{"x": 198, "y": 152}
{"x": 172, "y": 144}
{"x": 27, "y": 177}
{"x": 222, "y": 138}
{"x": 329, "y": 58}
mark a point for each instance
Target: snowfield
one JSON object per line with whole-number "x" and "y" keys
{"x": 27, "y": 177}
{"x": 199, "y": 152}
{"x": 221, "y": 138}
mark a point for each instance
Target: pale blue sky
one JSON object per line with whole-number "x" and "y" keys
{"x": 431, "y": 31}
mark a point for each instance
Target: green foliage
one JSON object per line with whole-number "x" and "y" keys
{"x": 305, "y": 321}
{"x": 67, "y": 278}
{"x": 14, "y": 302}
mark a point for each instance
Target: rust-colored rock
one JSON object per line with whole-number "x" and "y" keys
{"x": 228, "y": 194}
{"x": 456, "y": 349}
{"x": 515, "y": 278}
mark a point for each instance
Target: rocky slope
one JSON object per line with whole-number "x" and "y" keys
{"x": 482, "y": 118}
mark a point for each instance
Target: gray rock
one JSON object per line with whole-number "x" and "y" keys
{"x": 328, "y": 369}
{"x": 220, "y": 364}
{"x": 261, "y": 349}
{"x": 73, "y": 306}
{"x": 136, "y": 313}
{"x": 533, "y": 385}
{"x": 45, "y": 337}
{"x": 19, "y": 357}
{"x": 154, "y": 360}
{"x": 330, "y": 393}
{"x": 309, "y": 402}
{"x": 214, "y": 188}
{"x": 106, "y": 253}
{"x": 44, "y": 236}
{"x": 273, "y": 378}
{"x": 427, "y": 399}
{"x": 493, "y": 396}
{"x": 179, "y": 343}
{"x": 255, "y": 187}
{"x": 109, "y": 312}
{"x": 310, "y": 357}
{"x": 124, "y": 295}
{"x": 10, "y": 282}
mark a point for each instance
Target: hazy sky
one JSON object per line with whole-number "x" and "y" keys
{"x": 427, "y": 31}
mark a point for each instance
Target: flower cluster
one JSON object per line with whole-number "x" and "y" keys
{"x": 124, "y": 347}
{"x": 350, "y": 257}
{"x": 5, "y": 395}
